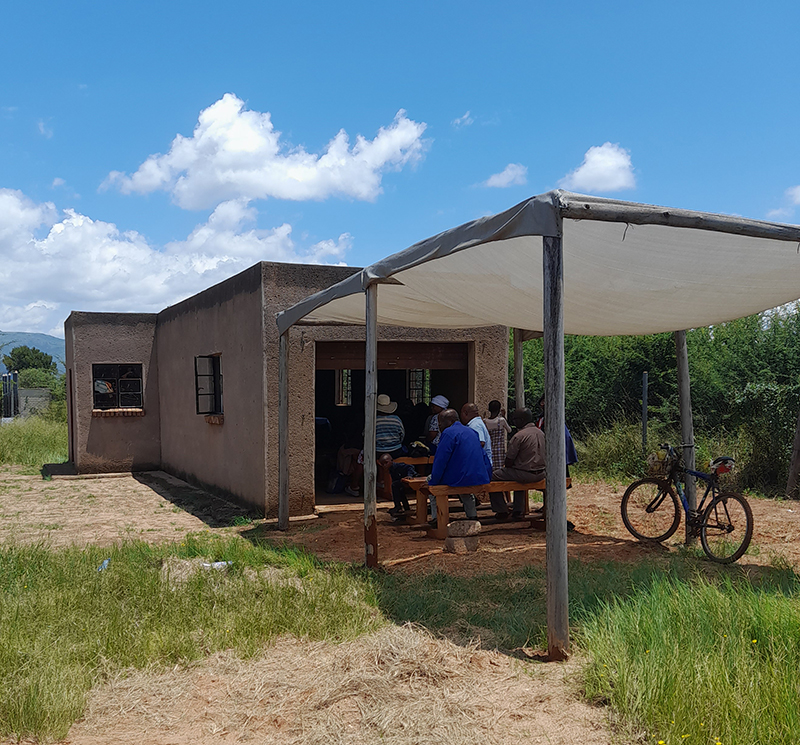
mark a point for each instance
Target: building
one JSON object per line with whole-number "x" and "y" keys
{"x": 193, "y": 390}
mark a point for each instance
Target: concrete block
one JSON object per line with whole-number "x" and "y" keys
{"x": 461, "y": 545}
{"x": 462, "y": 528}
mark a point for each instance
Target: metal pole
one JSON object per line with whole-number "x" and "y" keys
{"x": 519, "y": 371}
{"x": 644, "y": 413}
{"x": 283, "y": 432}
{"x": 687, "y": 426}
{"x": 370, "y": 417}
{"x": 556, "y": 502}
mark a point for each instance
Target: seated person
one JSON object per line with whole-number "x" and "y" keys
{"x": 459, "y": 461}
{"x": 572, "y": 454}
{"x": 389, "y": 435}
{"x": 396, "y": 472}
{"x": 389, "y": 429}
{"x": 525, "y": 461}
{"x": 471, "y": 418}
{"x": 438, "y": 405}
{"x": 499, "y": 430}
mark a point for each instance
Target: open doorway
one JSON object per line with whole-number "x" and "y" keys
{"x": 410, "y": 373}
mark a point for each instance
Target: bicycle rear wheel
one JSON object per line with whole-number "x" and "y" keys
{"x": 727, "y": 528}
{"x": 650, "y": 510}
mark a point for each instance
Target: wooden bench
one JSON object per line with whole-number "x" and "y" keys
{"x": 443, "y": 494}
{"x": 384, "y": 490}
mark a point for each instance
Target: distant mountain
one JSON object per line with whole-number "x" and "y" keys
{"x": 44, "y": 342}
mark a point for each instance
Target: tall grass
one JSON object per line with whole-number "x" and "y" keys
{"x": 671, "y": 652}
{"x": 33, "y": 441}
{"x": 614, "y": 452}
{"x": 700, "y": 661}
{"x": 64, "y": 625}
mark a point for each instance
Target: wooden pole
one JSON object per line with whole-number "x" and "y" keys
{"x": 370, "y": 417}
{"x": 283, "y": 432}
{"x": 644, "y": 413}
{"x": 556, "y": 502}
{"x": 687, "y": 425}
{"x": 519, "y": 371}
{"x": 794, "y": 466}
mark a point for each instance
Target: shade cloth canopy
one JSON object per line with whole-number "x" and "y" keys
{"x": 628, "y": 269}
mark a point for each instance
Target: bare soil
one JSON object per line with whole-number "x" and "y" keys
{"x": 399, "y": 686}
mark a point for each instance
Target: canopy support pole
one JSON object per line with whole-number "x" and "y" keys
{"x": 370, "y": 417}
{"x": 556, "y": 463}
{"x": 283, "y": 432}
{"x": 519, "y": 371}
{"x": 687, "y": 425}
{"x": 794, "y": 466}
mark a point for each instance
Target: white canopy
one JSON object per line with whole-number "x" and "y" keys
{"x": 628, "y": 269}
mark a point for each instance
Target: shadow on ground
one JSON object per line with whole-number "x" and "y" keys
{"x": 214, "y": 511}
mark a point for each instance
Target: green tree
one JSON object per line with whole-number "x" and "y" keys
{"x": 27, "y": 358}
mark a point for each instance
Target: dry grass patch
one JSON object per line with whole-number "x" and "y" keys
{"x": 396, "y": 686}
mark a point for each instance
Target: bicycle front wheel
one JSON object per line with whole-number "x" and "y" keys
{"x": 650, "y": 509}
{"x": 727, "y": 528}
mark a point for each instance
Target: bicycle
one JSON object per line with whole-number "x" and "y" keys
{"x": 651, "y": 513}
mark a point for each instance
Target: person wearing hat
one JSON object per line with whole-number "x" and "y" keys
{"x": 389, "y": 436}
{"x": 438, "y": 405}
{"x": 389, "y": 429}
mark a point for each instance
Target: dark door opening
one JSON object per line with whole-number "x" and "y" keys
{"x": 410, "y": 373}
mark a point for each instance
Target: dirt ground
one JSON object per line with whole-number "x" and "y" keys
{"x": 458, "y": 695}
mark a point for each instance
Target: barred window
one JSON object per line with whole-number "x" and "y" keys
{"x": 208, "y": 383}
{"x": 344, "y": 387}
{"x": 418, "y": 386}
{"x": 117, "y": 387}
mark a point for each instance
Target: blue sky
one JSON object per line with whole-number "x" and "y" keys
{"x": 345, "y": 132}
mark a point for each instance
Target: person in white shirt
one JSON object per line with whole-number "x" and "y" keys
{"x": 471, "y": 418}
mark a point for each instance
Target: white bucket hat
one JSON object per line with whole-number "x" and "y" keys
{"x": 386, "y": 405}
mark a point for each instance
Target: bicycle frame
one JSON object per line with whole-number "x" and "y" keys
{"x": 711, "y": 487}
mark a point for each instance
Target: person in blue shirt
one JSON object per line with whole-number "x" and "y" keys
{"x": 459, "y": 461}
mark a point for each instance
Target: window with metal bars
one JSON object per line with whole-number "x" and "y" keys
{"x": 117, "y": 387}
{"x": 418, "y": 386}
{"x": 344, "y": 387}
{"x": 208, "y": 383}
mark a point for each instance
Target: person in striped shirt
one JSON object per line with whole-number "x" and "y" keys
{"x": 389, "y": 429}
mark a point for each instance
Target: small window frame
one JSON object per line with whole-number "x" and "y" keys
{"x": 343, "y": 387}
{"x": 208, "y": 384}
{"x": 124, "y": 383}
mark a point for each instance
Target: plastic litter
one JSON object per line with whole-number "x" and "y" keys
{"x": 103, "y": 566}
{"x": 216, "y": 564}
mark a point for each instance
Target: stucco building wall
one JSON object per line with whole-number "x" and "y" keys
{"x": 227, "y": 454}
{"x": 111, "y": 443}
{"x": 237, "y": 455}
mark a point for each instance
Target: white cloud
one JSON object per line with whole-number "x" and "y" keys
{"x": 463, "y": 121}
{"x": 514, "y": 174}
{"x": 236, "y": 153}
{"x": 53, "y": 262}
{"x": 44, "y": 130}
{"x": 605, "y": 168}
{"x": 786, "y": 212}
{"x": 57, "y": 182}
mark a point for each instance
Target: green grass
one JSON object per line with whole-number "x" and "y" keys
{"x": 32, "y": 442}
{"x": 700, "y": 661}
{"x": 64, "y": 625}
{"x": 669, "y": 649}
